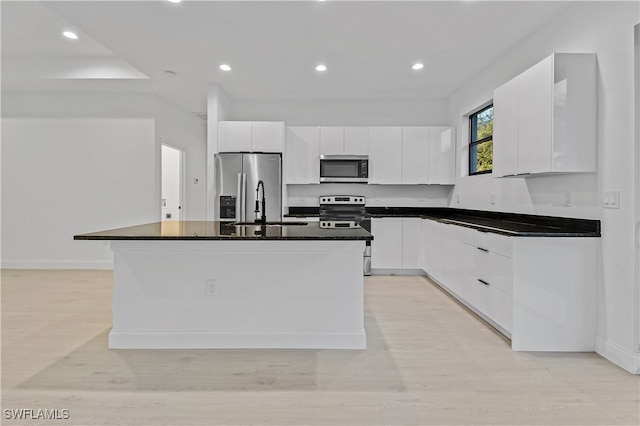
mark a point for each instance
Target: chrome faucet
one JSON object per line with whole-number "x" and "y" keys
{"x": 263, "y": 218}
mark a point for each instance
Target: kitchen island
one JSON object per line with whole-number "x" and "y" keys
{"x": 209, "y": 284}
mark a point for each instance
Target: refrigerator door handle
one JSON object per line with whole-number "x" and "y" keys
{"x": 239, "y": 199}
{"x": 242, "y": 188}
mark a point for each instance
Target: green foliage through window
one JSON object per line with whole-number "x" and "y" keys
{"x": 481, "y": 141}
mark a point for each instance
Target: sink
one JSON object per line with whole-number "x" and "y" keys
{"x": 269, "y": 224}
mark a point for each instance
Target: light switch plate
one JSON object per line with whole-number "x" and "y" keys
{"x": 611, "y": 200}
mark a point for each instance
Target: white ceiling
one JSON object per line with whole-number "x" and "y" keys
{"x": 273, "y": 47}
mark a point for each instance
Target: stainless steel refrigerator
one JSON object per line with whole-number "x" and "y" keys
{"x": 237, "y": 177}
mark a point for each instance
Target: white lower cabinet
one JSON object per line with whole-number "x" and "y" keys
{"x": 540, "y": 291}
{"x": 300, "y": 219}
{"x": 397, "y": 243}
{"x": 489, "y": 281}
{"x": 386, "y": 247}
{"x": 433, "y": 237}
{"x": 411, "y": 242}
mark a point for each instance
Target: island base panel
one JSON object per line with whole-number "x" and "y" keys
{"x": 238, "y": 294}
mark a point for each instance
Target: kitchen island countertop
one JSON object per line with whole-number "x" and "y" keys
{"x": 216, "y": 230}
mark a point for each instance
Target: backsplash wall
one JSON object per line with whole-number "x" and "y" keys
{"x": 377, "y": 195}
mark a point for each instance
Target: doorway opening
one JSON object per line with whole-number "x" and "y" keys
{"x": 172, "y": 183}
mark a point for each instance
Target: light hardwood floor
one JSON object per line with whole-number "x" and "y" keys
{"x": 429, "y": 361}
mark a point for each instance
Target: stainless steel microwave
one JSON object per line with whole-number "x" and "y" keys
{"x": 344, "y": 168}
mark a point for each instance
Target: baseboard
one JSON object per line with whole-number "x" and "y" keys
{"x": 620, "y": 356}
{"x": 236, "y": 340}
{"x": 57, "y": 264}
{"x": 407, "y": 272}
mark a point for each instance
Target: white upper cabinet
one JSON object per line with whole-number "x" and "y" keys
{"x": 344, "y": 140}
{"x": 250, "y": 136}
{"x": 385, "y": 155}
{"x": 505, "y": 129}
{"x": 415, "y": 155}
{"x": 442, "y": 156}
{"x": 302, "y": 155}
{"x": 546, "y": 118}
{"x": 267, "y": 136}
{"x": 356, "y": 141}
{"x": 331, "y": 140}
{"x": 428, "y": 155}
{"x": 234, "y": 136}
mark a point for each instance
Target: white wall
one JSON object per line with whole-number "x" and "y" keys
{"x": 218, "y": 109}
{"x": 377, "y": 195}
{"x": 356, "y": 112}
{"x": 605, "y": 28}
{"x": 180, "y": 129}
{"x": 78, "y": 163}
{"x": 73, "y": 164}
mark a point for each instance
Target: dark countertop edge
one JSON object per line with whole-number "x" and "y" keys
{"x": 550, "y": 226}
{"x": 220, "y": 238}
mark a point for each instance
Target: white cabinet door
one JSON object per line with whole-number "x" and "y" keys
{"x": 386, "y": 248}
{"x": 458, "y": 258}
{"x": 302, "y": 155}
{"x": 505, "y": 129}
{"x": 331, "y": 140}
{"x": 411, "y": 242}
{"x": 551, "y": 116}
{"x": 234, "y": 136}
{"x": 415, "y": 155}
{"x": 385, "y": 155}
{"x": 535, "y": 118}
{"x": 267, "y": 136}
{"x": 356, "y": 141}
{"x": 433, "y": 238}
{"x": 442, "y": 156}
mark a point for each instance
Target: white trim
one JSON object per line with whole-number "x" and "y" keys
{"x": 618, "y": 355}
{"x": 388, "y": 271}
{"x": 636, "y": 299}
{"x": 225, "y": 340}
{"x": 57, "y": 264}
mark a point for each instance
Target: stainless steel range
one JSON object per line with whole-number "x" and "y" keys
{"x": 347, "y": 211}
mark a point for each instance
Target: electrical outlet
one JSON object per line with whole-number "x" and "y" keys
{"x": 210, "y": 288}
{"x": 492, "y": 198}
{"x": 611, "y": 200}
{"x": 458, "y": 198}
{"x": 568, "y": 199}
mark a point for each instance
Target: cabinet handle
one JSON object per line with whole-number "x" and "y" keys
{"x": 483, "y": 249}
{"x": 483, "y": 282}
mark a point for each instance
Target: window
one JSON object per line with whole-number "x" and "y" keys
{"x": 481, "y": 141}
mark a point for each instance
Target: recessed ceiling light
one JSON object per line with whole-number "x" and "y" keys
{"x": 174, "y": 1}
{"x": 321, "y": 67}
{"x": 417, "y": 66}
{"x": 225, "y": 67}
{"x": 70, "y": 34}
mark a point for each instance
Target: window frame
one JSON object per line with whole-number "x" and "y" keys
{"x": 478, "y": 142}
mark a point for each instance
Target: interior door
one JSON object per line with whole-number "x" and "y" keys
{"x": 172, "y": 183}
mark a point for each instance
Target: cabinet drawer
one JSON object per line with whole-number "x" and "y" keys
{"x": 476, "y": 293}
{"x": 489, "y": 300}
{"x": 494, "y": 242}
{"x": 500, "y": 308}
{"x": 495, "y": 269}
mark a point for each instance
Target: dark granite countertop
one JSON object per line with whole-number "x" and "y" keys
{"x": 512, "y": 224}
{"x": 215, "y": 230}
